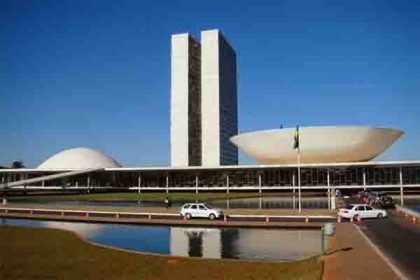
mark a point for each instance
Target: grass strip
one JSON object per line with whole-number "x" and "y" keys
{"x": 42, "y": 253}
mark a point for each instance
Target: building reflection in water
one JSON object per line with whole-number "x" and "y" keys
{"x": 232, "y": 243}
{"x": 85, "y": 230}
{"x": 196, "y": 242}
{"x": 250, "y": 244}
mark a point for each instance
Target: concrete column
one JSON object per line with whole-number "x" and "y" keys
{"x": 329, "y": 198}
{"x": 328, "y": 190}
{"x": 293, "y": 195}
{"x": 364, "y": 178}
{"x": 196, "y": 183}
{"x": 227, "y": 183}
{"x": 139, "y": 183}
{"x": 401, "y": 188}
{"x": 167, "y": 183}
{"x": 332, "y": 189}
{"x": 88, "y": 183}
{"x": 259, "y": 182}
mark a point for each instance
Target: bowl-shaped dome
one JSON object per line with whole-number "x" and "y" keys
{"x": 78, "y": 158}
{"x": 318, "y": 144}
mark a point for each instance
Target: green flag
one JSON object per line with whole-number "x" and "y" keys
{"x": 296, "y": 138}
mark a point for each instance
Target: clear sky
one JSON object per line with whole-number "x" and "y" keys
{"x": 97, "y": 73}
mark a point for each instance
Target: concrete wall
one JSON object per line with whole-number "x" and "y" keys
{"x": 210, "y": 98}
{"x": 218, "y": 100}
{"x": 179, "y": 100}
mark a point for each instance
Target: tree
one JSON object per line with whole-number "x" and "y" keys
{"x": 17, "y": 164}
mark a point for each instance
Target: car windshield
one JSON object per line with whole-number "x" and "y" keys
{"x": 209, "y": 206}
{"x": 349, "y": 207}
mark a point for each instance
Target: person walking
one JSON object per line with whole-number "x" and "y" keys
{"x": 167, "y": 202}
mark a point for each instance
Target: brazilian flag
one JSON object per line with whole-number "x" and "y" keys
{"x": 296, "y": 138}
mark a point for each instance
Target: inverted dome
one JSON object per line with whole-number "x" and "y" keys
{"x": 78, "y": 158}
{"x": 318, "y": 144}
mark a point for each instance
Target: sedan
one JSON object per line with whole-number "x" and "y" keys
{"x": 200, "y": 210}
{"x": 363, "y": 211}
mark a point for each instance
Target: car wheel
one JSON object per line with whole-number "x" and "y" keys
{"x": 380, "y": 216}
{"x": 188, "y": 216}
{"x": 212, "y": 217}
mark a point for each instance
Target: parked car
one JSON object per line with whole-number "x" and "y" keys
{"x": 363, "y": 211}
{"x": 363, "y": 194}
{"x": 385, "y": 202}
{"x": 200, "y": 210}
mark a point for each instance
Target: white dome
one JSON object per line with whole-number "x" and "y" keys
{"x": 78, "y": 158}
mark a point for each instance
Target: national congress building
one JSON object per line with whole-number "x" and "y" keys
{"x": 204, "y": 139}
{"x": 204, "y": 114}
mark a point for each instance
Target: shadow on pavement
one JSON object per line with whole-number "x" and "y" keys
{"x": 338, "y": 250}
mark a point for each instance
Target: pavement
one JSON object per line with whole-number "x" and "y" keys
{"x": 350, "y": 256}
{"x": 396, "y": 238}
{"x": 399, "y": 239}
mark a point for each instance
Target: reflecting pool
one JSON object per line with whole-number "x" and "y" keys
{"x": 229, "y": 243}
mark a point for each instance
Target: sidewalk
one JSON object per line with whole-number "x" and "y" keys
{"x": 173, "y": 210}
{"x": 349, "y": 256}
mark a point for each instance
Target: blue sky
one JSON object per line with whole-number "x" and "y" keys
{"x": 96, "y": 73}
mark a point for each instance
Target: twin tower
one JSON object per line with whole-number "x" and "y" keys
{"x": 204, "y": 107}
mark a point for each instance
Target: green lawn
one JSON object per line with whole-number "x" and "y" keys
{"x": 42, "y": 253}
{"x": 154, "y": 196}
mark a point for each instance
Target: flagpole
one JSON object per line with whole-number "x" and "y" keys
{"x": 296, "y": 145}
{"x": 298, "y": 159}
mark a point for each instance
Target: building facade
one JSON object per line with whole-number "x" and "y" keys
{"x": 185, "y": 101}
{"x": 219, "y": 100}
{"x": 203, "y": 100}
{"x": 316, "y": 177}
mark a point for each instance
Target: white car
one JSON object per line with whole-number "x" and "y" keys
{"x": 363, "y": 211}
{"x": 201, "y": 210}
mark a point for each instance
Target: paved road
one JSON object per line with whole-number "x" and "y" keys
{"x": 399, "y": 239}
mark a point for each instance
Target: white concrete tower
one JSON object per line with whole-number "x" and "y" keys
{"x": 219, "y": 113}
{"x": 204, "y": 111}
{"x": 185, "y": 101}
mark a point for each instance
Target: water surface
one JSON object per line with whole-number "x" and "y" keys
{"x": 229, "y": 243}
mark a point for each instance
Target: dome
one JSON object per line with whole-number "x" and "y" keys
{"x": 318, "y": 144}
{"x": 78, "y": 158}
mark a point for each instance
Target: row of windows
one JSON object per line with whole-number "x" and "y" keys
{"x": 252, "y": 177}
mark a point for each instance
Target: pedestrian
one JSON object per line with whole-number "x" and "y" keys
{"x": 337, "y": 193}
{"x": 166, "y": 202}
